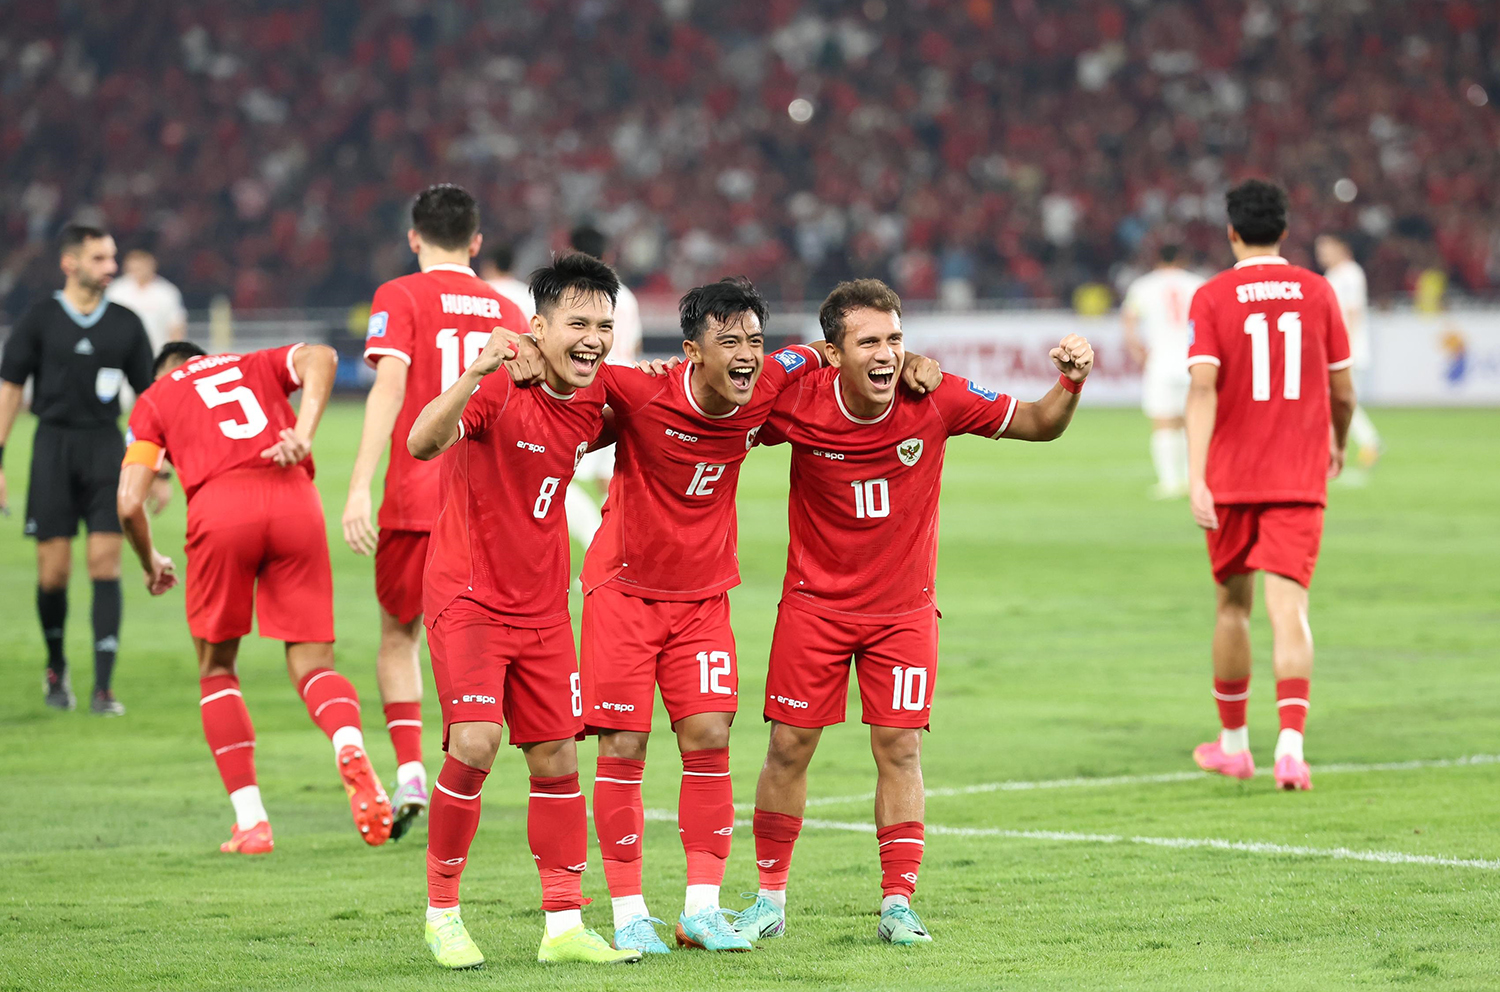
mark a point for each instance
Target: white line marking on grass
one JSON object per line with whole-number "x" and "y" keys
{"x": 1156, "y": 779}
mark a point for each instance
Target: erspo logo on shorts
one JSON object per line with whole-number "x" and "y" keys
{"x": 796, "y": 704}
{"x": 790, "y": 360}
{"x": 618, "y": 707}
{"x": 378, "y": 322}
{"x": 485, "y": 700}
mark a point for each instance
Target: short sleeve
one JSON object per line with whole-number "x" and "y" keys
{"x": 485, "y": 405}
{"x": 279, "y": 363}
{"x": 146, "y": 423}
{"x": 391, "y": 330}
{"x": 140, "y": 361}
{"x": 627, "y": 388}
{"x": 22, "y": 350}
{"x": 1203, "y": 340}
{"x": 969, "y": 408}
{"x": 786, "y": 366}
{"x": 1339, "y": 354}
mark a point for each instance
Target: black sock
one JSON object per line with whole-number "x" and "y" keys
{"x": 52, "y": 609}
{"x": 106, "y": 630}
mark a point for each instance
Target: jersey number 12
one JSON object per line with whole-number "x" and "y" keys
{"x": 1259, "y": 329}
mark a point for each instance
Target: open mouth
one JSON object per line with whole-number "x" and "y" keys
{"x": 584, "y": 362}
{"x": 741, "y": 375}
{"x": 883, "y": 378}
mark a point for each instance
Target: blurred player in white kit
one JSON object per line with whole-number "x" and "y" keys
{"x": 1155, "y": 314}
{"x": 1347, "y": 278}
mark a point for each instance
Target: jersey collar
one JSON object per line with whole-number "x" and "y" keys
{"x": 687, "y": 387}
{"x": 838, "y": 394}
{"x": 560, "y": 397}
{"x": 450, "y": 267}
{"x": 84, "y": 320}
{"x": 1261, "y": 260}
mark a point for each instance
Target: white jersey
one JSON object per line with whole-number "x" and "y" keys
{"x": 1348, "y": 282}
{"x": 517, "y": 292}
{"x": 628, "y": 332}
{"x": 1159, "y": 302}
{"x": 158, "y": 304}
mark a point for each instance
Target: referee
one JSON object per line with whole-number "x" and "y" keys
{"x": 80, "y": 349}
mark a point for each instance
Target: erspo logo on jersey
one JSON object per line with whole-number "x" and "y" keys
{"x": 378, "y": 322}
{"x": 790, "y": 360}
{"x": 989, "y": 394}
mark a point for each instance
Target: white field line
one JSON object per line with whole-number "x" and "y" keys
{"x": 1161, "y": 777}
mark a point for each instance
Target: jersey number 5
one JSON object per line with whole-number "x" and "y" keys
{"x": 447, "y": 343}
{"x": 255, "y": 417}
{"x": 1259, "y": 329}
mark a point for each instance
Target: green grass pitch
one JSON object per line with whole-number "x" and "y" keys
{"x": 1075, "y": 644}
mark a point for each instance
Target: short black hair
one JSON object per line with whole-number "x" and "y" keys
{"x": 589, "y": 240}
{"x": 1257, "y": 211}
{"x": 446, "y": 216}
{"x": 503, "y": 258}
{"x": 1168, "y": 253}
{"x": 572, "y": 271}
{"x": 857, "y": 294}
{"x": 74, "y": 235}
{"x": 725, "y": 300}
{"x": 178, "y": 353}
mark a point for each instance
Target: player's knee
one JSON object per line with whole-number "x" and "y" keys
{"x": 547, "y": 759}
{"x": 627, "y": 744}
{"x": 791, "y": 748}
{"x": 896, "y": 749}
{"x": 704, "y": 732}
{"x": 476, "y": 744}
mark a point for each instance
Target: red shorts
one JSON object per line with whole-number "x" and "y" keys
{"x": 1271, "y": 537}
{"x": 807, "y": 682}
{"x": 400, "y": 557}
{"x": 489, "y": 672}
{"x": 256, "y": 540}
{"x": 632, "y": 645}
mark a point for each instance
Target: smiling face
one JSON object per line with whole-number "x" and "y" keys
{"x": 730, "y": 356}
{"x": 869, "y": 355}
{"x": 574, "y": 335}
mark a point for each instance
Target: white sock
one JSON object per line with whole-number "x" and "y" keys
{"x": 1362, "y": 430}
{"x": 777, "y": 897}
{"x": 563, "y": 920}
{"x": 248, "y": 809}
{"x": 1236, "y": 740}
{"x": 889, "y": 901}
{"x": 344, "y": 736}
{"x": 583, "y": 515}
{"x": 434, "y": 914}
{"x": 1179, "y": 457}
{"x": 699, "y": 898}
{"x": 1163, "y": 453}
{"x": 1289, "y": 742}
{"x": 411, "y": 770}
{"x": 628, "y": 908}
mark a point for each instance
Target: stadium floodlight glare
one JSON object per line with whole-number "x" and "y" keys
{"x": 1345, "y": 190}
{"x": 800, "y": 110}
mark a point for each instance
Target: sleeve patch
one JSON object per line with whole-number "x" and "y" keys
{"x": 989, "y": 394}
{"x": 790, "y": 360}
{"x": 378, "y": 322}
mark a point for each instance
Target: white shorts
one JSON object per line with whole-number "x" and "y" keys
{"x": 1164, "y": 394}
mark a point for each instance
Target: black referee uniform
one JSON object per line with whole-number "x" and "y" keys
{"x": 79, "y": 362}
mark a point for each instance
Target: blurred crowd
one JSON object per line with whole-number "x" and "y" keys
{"x": 961, "y": 149}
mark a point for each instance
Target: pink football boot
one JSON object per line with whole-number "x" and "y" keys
{"x": 1211, "y": 758}
{"x": 1292, "y": 775}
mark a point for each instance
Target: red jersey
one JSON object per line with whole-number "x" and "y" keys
{"x": 217, "y": 413}
{"x": 864, "y": 502}
{"x": 670, "y": 530}
{"x": 1275, "y": 331}
{"x": 500, "y": 541}
{"x": 437, "y": 322}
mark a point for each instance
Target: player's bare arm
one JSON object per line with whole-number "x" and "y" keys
{"x": 436, "y": 428}
{"x": 316, "y": 366}
{"x": 1048, "y": 417}
{"x": 130, "y": 500}
{"x": 382, "y": 406}
{"x": 1341, "y": 401}
{"x": 1201, "y": 411}
{"x": 10, "y": 405}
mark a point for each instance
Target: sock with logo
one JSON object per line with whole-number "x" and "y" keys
{"x": 557, "y": 829}
{"x": 901, "y": 847}
{"x": 705, "y": 821}
{"x": 775, "y": 836}
{"x": 619, "y": 820}
{"x": 451, "y": 821}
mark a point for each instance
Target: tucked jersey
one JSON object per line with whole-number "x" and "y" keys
{"x": 670, "y": 530}
{"x": 863, "y": 509}
{"x": 437, "y": 322}
{"x": 217, "y": 413}
{"x": 1159, "y": 301}
{"x": 1275, "y": 331}
{"x": 79, "y": 360}
{"x": 500, "y": 540}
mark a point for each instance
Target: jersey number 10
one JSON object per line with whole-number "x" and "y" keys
{"x": 1259, "y": 329}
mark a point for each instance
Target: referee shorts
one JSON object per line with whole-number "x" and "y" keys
{"x": 75, "y": 472}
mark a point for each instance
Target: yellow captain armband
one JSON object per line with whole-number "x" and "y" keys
{"x": 144, "y": 453}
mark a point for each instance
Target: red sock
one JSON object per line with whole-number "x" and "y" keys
{"x": 775, "y": 836}
{"x": 451, "y": 821}
{"x": 619, "y": 819}
{"x": 404, "y": 721}
{"x": 705, "y": 814}
{"x": 1291, "y": 703}
{"x": 331, "y": 700}
{"x": 227, "y": 728}
{"x": 900, "y": 857}
{"x": 1231, "y": 695}
{"x": 557, "y": 828}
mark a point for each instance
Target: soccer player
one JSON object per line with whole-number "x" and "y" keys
{"x": 151, "y": 297}
{"x": 1347, "y": 278}
{"x": 656, "y": 604}
{"x": 81, "y": 349}
{"x": 424, "y": 329}
{"x": 1270, "y": 361}
{"x": 496, "y": 602}
{"x": 255, "y": 537}
{"x": 867, "y": 461}
{"x": 1155, "y": 318}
